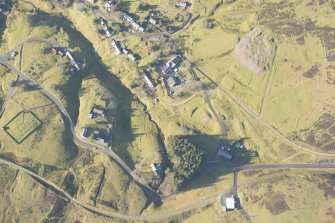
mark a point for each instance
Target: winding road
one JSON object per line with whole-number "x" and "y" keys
{"x": 152, "y": 217}
{"x": 69, "y": 125}
{"x": 163, "y": 215}
{"x": 261, "y": 121}
{"x": 150, "y": 193}
{"x": 163, "y": 33}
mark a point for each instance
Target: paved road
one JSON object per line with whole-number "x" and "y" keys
{"x": 69, "y": 126}
{"x": 271, "y": 166}
{"x": 6, "y": 56}
{"x": 245, "y": 215}
{"x": 163, "y": 33}
{"x": 153, "y": 217}
{"x": 223, "y": 127}
{"x": 274, "y": 166}
{"x": 262, "y": 122}
{"x": 9, "y": 95}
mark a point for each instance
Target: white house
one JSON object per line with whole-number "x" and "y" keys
{"x": 230, "y": 203}
{"x": 181, "y": 4}
{"x": 152, "y": 21}
{"x": 116, "y": 47}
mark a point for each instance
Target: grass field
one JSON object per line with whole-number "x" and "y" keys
{"x": 27, "y": 201}
{"x": 22, "y": 126}
{"x": 289, "y": 196}
{"x": 213, "y": 214}
{"x": 50, "y": 144}
{"x": 293, "y": 95}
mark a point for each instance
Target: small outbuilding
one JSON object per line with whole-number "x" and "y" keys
{"x": 230, "y": 203}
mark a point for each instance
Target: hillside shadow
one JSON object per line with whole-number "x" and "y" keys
{"x": 3, "y": 18}
{"x": 214, "y": 167}
{"x": 122, "y": 133}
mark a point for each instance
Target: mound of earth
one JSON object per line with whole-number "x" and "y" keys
{"x": 255, "y": 50}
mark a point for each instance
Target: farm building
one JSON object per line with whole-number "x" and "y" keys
{"x": 230, "y": 204}
{"x": 172, "y": 64}
{"x": 226, "y": 152}
{"x": 101, "y": 138}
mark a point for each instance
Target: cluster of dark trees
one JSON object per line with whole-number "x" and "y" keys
{"x": 185, "y": 159}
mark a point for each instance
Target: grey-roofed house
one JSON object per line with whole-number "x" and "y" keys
{"x": 147, "y": 79}
{"x": 171, "y": 65}
{"x": 116, "y": 47}
{"x": 132, "y": 57}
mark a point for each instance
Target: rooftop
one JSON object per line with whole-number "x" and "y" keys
{"x": 230, "y": 203}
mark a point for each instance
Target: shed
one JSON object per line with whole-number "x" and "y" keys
{"x": 230, "y": 203}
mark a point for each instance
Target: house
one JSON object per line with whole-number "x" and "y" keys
{"x": 226, "y": 152}
{"x": 230, "y": 203}
{"x": 72, "y": 61}
{"x": 157, "y": 169}
{"x": 152, "y": 21}
{"x": 167, "y": 70}
{"x": 133, "y": 23}
{"x": 147, "y": 78}
{"x": 175, "y": 62}
{"x": 95, "y": 112}
{"x": 132, "y": 57}
{"x": 61, "y": 52}
{"x": 141, "y": 29}
{"x": 125, "y": 51}
{"x": 85, "y": 134}
{"x": 98, "y": 111}
{"x": 181, "y": 4}
{"x": 127, "y": 17}
{"x": 105, "y": 28}
{"x": 109, "y": 5}
{"x": 101, "y": 138}
{"x": 167, "y": 87}
{"x": 116, "y": 47}
{"x": 171, "y": 65}
{"x": 108, "y": 34}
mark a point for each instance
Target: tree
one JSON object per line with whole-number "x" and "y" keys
{"x": 185, "y": 159}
